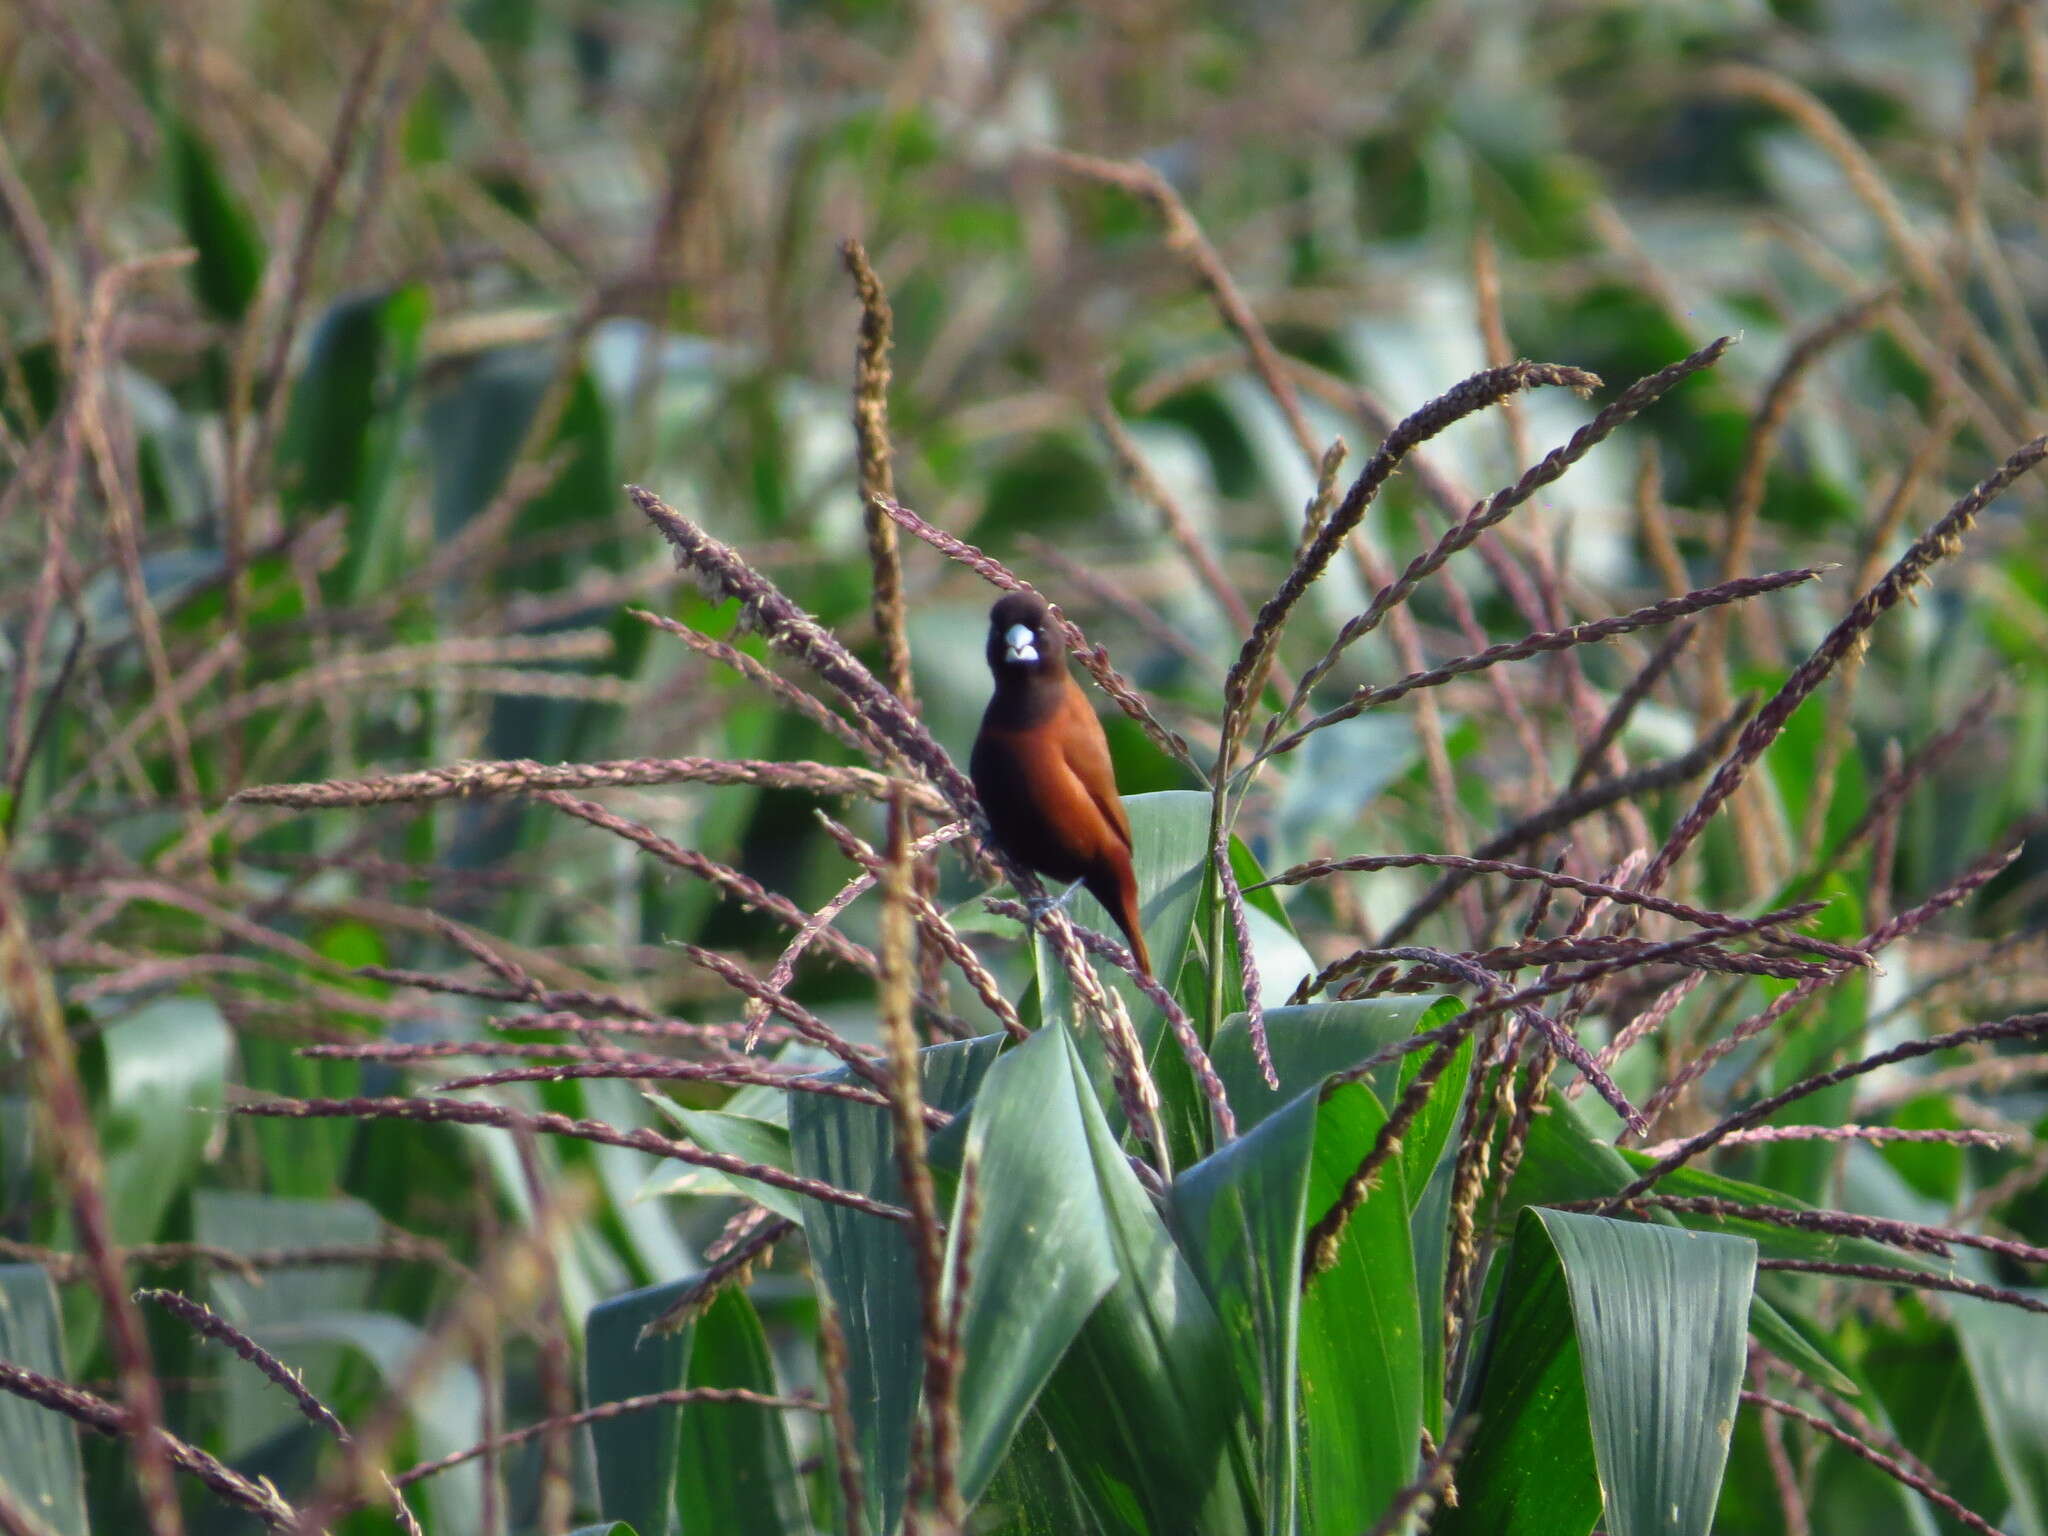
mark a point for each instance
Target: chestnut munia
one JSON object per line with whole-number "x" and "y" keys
{"x": 1041, "y": 767}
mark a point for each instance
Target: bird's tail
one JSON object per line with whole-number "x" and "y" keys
{"x": 1119, "y": 894}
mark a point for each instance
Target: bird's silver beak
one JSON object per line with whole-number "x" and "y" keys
{"x": 1021, "y": 642}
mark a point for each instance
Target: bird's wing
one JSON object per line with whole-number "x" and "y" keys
{"x": 1086, "y": 751}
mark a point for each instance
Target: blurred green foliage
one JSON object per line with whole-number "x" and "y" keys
{"x": 341, "y": 498}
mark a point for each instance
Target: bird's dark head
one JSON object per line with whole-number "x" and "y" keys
{"x": 1023, "y": 641}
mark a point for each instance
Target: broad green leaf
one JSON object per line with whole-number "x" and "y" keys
{"x": 17, "y": 1149}
{"x": 2007, "y": 1350}
{"x": 649, "y": 1228}
{"x": 229, "y": 267}
{"x": 39, "y": 1466}
{"x": 1918, "y": 1387}
{"x": 636, "y": 1452}
{"x": 604, "y": 1528}
{"x": 301, "y": 1159}
{"x": 1149, "y": 1425}
{"x": 734, "y": 1472}
{"x": 166, "y": 1066}
{"x": 1311, "y": 1041}
{"x": 737, "y": 1136}
{"x": 476, "y": 425}
{"x": 581, "y": 494}
{"x": 863, "y": 1263}
{"x": 252, "y": 1410}
{"x": 1033, "y": 1493}
{"x": 1362, "y": 1331}
{"x": 1528, "y": 1469}
{"x": 1042, "y": 1255}
{"x": 1240, "y": 1213}
{"x": 324, "y": 450}
{"x": 340, "y": 438}
{"x": 1563, "y": 1161}
{"x": 1662, "y": 1323}
{"x": 446, "y": 1410}
{"x": 1429, "y": 1236}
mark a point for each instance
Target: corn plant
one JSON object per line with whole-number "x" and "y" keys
{"x": 514, "y": 1018}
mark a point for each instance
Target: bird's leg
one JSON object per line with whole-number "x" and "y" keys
{"x": 1045, "y": 906}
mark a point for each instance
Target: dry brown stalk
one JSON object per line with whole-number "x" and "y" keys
{"x": 1184, "y": 1033}
{"x": 1876, "y": 1135}
{"x": 1871, "y": 190}
{"x": 1462, "y": 400}
{"x": 877, "y": 475}
{"x": 854, "y": 733}
{"x": 1765, "y": 428}
{"x": 1185, "y": 239}
{"x": 123, "y": 523}
{"x": 727, "y": 1268}
{"x": 933, "y": 927}
{"x": 1572, "y": 807}
{"x": 209, "y": 1324}
{"x": 2023, "y": 1026}
{"x": 845, "y": 1433}
{"x": 1551, "y": 879}
{"x": 788, "y": 629}
{"x": 465, "y": 1112}
{"x": 1901, "y": 777}
{"x": 1782, "y": 1006}
{"x": 1249, "y": 982}
{"x": 561, "y": 1008}
{"x": 936, "y": 1445}
{"x": 1478, "y": 1117}
{"x": 249, "y": 1265}
{"x": 816, "y": 923}
{"x": 659, "y": 1071}
{"x": 1432, "y": 1484}
{"x": 517, "y": 776}
{"x": 81, "y": 1173}
{"x": 745, "y": 890}
{"x": 259, "y": 1498}
{"x": 192, "y": 680}
{"x": 1920, "y": 1237}
{"x": 1553, "y": 640}
{"x": 298, "y": 262}
{"x": 618, "y": 1408}
{"x": 1889, "y": 1465}
{"x": 1911, "y": 570}
{"x": 1927, "y": 452}
{"x": 1598, "y": 750}
{"x": 1474, "y": 394}
{"x": 1180, "y": 527}
{"x": 1319, "y": 1249}
{"x": 507, "y": 1283}
{"x": 806, "y": 1023}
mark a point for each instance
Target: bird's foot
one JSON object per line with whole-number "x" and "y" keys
{"x": 1045, "y": 906}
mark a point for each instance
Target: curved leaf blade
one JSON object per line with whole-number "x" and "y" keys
{"x": 734, "y": 1469}
{"x": 1042, "y": 1256}
{"x": 864, "y": 1264}
{"x": 39, "y": 1464}
{"x": 636, "y": 1453}
{"x": 1662, "y": 1318}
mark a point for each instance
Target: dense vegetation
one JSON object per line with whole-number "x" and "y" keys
{"x": 510, "y": 1023}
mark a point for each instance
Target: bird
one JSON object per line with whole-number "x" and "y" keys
{"x": 1041, "y": 768}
